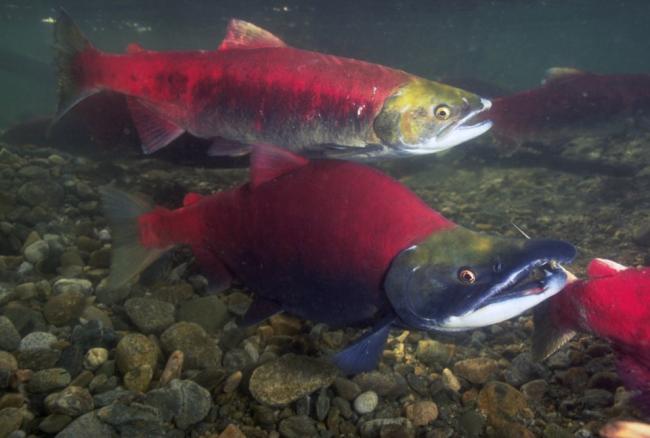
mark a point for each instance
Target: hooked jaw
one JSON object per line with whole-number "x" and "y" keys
{"x": 508, "y": 278}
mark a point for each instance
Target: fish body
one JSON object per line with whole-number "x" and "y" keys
{"x": 613, "y": 303}
{"x": 314, "y": 238}
{"x": 569, "y": 102}
{"x": 256, "y": 89}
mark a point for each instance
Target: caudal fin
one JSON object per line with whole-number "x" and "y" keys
{"x": 69, "y": 43}
{"x": 129, "y": 257}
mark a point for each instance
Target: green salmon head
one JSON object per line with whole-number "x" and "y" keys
{"x": 424, "y": 117}
{"x": 459, "y": 280}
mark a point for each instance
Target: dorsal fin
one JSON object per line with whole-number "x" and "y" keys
{"x": 191, "y": 198}
{"x": 556, "y": 73}
{"x": 244, "y": 35}
{"x": 269, "y": 162}
{"x": 604, "y": 268}
{"x": 132, "y": 48}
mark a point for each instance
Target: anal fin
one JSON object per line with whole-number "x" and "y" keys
{"x": 155, "y": 131}
{"x": 259, "y": 310}
{"x": 364, "y": 353}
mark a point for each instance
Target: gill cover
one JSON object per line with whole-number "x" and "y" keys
{"x": 425, "y": 116}
{"x": 458, "y": 279}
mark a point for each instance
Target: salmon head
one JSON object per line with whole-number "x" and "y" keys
{"x": 458, "y": 279}
{"x": 424, "y": 116}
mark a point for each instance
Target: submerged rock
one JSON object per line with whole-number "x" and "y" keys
{"x": 150, "y": 315}
{"x": 285, "y": 380}
{"x": 199, "y": 349}
{"x": 135, "y": 350}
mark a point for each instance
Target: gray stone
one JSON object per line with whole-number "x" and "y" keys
{"x": 183, "y": 401}
{"x": 37, "y": 341}
{"x": 117, "y": 395}
{"x": 45, "y": 193}
{"x": 135, "y": 350}
{"x": 10, "y": 420}
{"x": 48, "y": 380}
{"x": 285, "y": 380}
{"x": 150, "y": 315}
{"x": 366, "y": 402}
{"x": 9, "y": 336}
{"x": 597, "y": 398}
{"x": 54, "y": 423}
{"x": 209, "y": 312}
{"x": 372, "y": 428}
{"x": 72, "y": 401}
{"x": 384, "y": 384}
{"x": 108, "y": 296}
{"x": 80, "y": 285}
{"x": 237, "y": 359}
{"x": 38, "y": 359}
{"x": 200, "y": 350}
{"x": 346, "y": 388}
{"x": 298, "y": 426}
{"x": 523, "y": 369}
{"x": 37, "y": 251}
{"x": 64, "y": 308}
{"x": 433, "y": 353}
{"x": 88, "y": 425}
{"x": 134, "y": 419}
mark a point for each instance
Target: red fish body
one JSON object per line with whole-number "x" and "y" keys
{"x": 567, "y": 101}
{"x": 256, "y": 89}
{"x": 613, "y": 303}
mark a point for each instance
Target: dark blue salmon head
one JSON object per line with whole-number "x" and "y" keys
{"x": 458, "y": 279}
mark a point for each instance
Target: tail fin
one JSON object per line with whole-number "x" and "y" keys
{"x": 129, "y": 257}
{"x": 69, "y": 42}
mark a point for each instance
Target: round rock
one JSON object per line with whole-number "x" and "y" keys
{"x": 48, "y": 380}
{"x": 135, "y": 350}
{"x": 366, "y": 402}
{"x": 37, "y": 251}
{"x": 64, "y": 308}
{"x": 72, "y": 401}
{"x": 199, "y": 349}
{"x": 150, "y": 315}
{"x": 9, "y": 336}
{"x": 37, "y": 341}
{"x": 422, "y": 413}
{"x": 477, "y": 370}
{"x": 285, "y": 380}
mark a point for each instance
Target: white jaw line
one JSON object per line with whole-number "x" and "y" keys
{"x": 501, "y": 311}
{"x": 455, "y": 136}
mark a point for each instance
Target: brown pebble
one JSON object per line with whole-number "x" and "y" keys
{"x": 12, "y": 400}
{"x": 173, "y": 368}
{"x": 422, "y": 413}
{"x": 285, "y": 325}
{"x": 232, "y": 382}
{"x": 477, "y": 370}
{"x": 232, "y": 431}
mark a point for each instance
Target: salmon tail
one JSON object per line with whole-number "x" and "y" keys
{"x": 129, "y": 257}
{"x": 69, "y": 43}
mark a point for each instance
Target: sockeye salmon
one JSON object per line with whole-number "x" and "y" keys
{"x": 312, "y": 238}
{"x": 256, "y": 89}
{"x": 613, "y": 303}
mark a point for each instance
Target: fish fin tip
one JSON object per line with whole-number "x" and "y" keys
{"x": 133, "y": 48}
{"x": 259, "y": 310}
{"x": 556, "y": 73}
{"x": 128, "y": 256}
{"x": 364, "y": 354}
{"x": 69, "y": 42}
{"x": 244, "y": 35}
{"x": 604, "y": 268}
{"x": 155, "y": 131}
{"x": 269, "y": 162}
{"x": 221, "y": 147}
{"x": 547, "y": 336}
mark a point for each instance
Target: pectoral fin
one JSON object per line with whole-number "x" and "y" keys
{"x": 548, "y": 337}
{"x": 155, "y": 131}
{"x": 364, "y": 353}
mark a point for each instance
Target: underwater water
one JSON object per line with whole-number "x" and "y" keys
{"x": 167, "y": 353}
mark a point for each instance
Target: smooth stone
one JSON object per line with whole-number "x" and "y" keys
{"x": 372, "y": 428}
{"x": 238, "y": 359}
{"x": 110, "y": 296}
{"x": 64, "y": 308}
{"x": 95, "y": 357}
{"x": 36, "y": 252}
{"x": 535, "y": 389}
{"x": 433, "y": 353}
{"x": 112, "y": 396}
{"x": 120, "y": 415}
{"x": 48, "y": 380}
{"x": 138, "y": 379}
{"x": 195, "y": 402}
{"x": 83, "y": 379}
{"x": 200, "y": 350}
{"x": 88, "y": 425}
{"x": 38, "y": 359}
{"x": 135, "y": 350}
{"x": 100, "y": 258}
{"x": 450, "y": 381}
{"x": 94, "y": 313}
{"x": 523, "y": 369}
{"x": 597, "y": 398}
{"x": 366, "y": 402}
{"x": 285, "y": 325}
{"x": 298, "y": 426}
{"x": 384, "y": 384}
{"x": 78, "y": 285}
{"x": 477, "y": 370}
{"x": 421, "y": 413}
{"x": 209, "y": 312}
{"x": 71, "y": 257}
{"x": 8, "y": 361}
{"x": 175, "y": 293}
{"x": 346, "y": 388}
{"x": 25, "y": 319}
{"x": 232, "y": 431}
{"x": 149, "y": 314}
{"x": 93, "y": 334}
{"x": 232, "y": 382}
{"x": 471, "y": 424}
{"x": 54, "y": 423}
{"x": 10, "y": 420}
{"x": 73, "y": 401}
{"x": 9, "y": 336}
{"x": 500, "y": 403}
{"x": 37, "y": 341}
{"x": 287, "y": 379}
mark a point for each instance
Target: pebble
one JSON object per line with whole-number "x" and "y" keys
{"x": 209, "y": 312}
{"x": 134, "y": 419}
{"x": 138, "y": 379}
{"x": 232, "y": 382}
{"x": 372, "y": 428}
{"x": 384, "y": 384}
{"x": 597, "y": 398}
{"x": 535, "y": 389}
{"x": 287, "y": 379}
{"x": 298, "y": 426}
{"x": 135, "y": 350}
{"x": 64, "y": 308}
{"x": 199, "y": 349}
{"x": 450, "y": 381}
{"x": 346, "y": 388}
{"x": 88, "y": 425}
{"x": 421, "y": 413}
{"x": 54, "y": 423}
{"x": 501, "y": 403}
{"x": 239, "y": 358}
{"x": 77, "y": 285}
{"x": 149, "y": 314}
{"x": 366, "y": 402}
{"x": 232, "y": 431}
{"x": 37, "y": 341}
{"x": 560, "y": 360}
{"x": 9, "y": 336}
{"x": 285, "y": 325}
{"x": 173, "y": 368}
{"x": 523, "y": 369}
{"x": 433, "y": 353}
{"x": 183, "y": 400}
{"x": 10, "y": 420}
{"x": 95, "y": 357}
{"x": 36, "y": 252}
{"x": 73, "y": 401}
{"x": 48, "y": 380}
{"x": 477, "y": 370}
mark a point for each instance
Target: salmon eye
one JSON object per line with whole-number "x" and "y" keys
{"x": 466, "y": 276}
{"x": 442, "y": 112}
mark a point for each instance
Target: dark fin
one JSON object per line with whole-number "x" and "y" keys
{"x": 604, "y": 268}
{"x": 556, "y": 73}
{"x": 244, "y": 35}
{"x": 259, "y": 310}
{"x": 221, "y": 147}
{"x": 192, "y": 198}
{"x": 128, "y": 257}
{"x": 547, "y": 337}
{"x": 364, "y": 354}
{"x": 69, "y": 42}
{"x": 155, "y": 132}
{"x": 270, "y": 162}
{"x": 219, "y": 277}
{"x": 132, "y": 48}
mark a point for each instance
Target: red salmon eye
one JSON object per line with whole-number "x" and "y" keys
{"x": 466, "y": 275}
